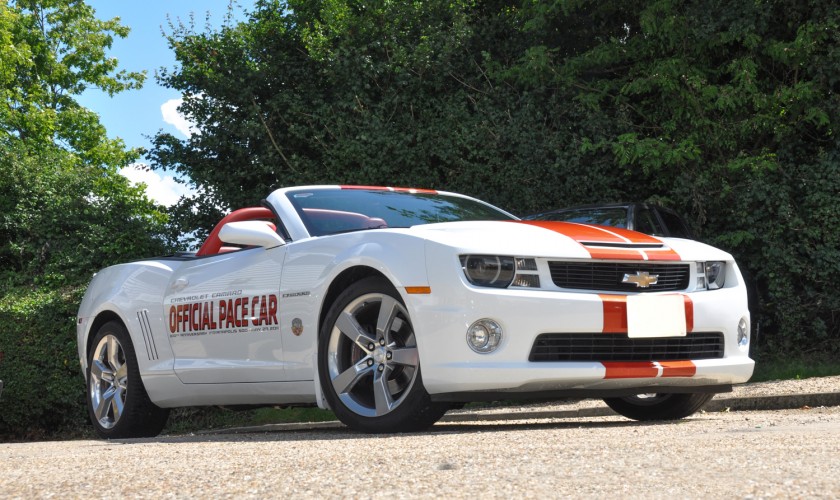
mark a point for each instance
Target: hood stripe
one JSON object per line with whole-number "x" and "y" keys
{"x": 589, "y": 237}
{"x": 611, "y": 233}
{"x": 593, "y": 234}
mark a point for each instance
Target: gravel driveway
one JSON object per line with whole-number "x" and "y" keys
{"x": 791, "y": 453}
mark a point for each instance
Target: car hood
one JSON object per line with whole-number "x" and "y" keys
{"x": 563, "y": 240}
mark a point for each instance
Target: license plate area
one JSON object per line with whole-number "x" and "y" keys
{"x": 652, "y": 316}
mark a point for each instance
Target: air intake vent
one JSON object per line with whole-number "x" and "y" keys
{"x": 618, "y": 347}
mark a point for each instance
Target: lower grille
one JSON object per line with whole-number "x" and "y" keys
{"x": 619, "y": 347}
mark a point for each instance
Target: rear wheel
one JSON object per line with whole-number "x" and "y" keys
{"x": 369, "y": 365}
{"x": 658, "y": 406}
{"x": 118, "y": 404}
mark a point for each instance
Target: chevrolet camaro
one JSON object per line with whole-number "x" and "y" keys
{"x": 389, "y": 306}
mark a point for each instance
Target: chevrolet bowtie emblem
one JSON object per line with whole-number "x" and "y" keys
{"x": 641, "y": 279}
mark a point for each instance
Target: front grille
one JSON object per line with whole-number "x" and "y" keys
{"x": 619, "y": 347}
{"x": 607, "y": 276}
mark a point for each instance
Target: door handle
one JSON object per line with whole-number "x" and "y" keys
{"x": 180, "y": 284}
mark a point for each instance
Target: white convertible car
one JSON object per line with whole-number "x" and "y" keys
{"x": 390, "y": 306}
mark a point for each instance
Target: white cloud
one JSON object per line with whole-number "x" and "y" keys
{"x": 162, "y": 189}
{"x": 172, "y": 116}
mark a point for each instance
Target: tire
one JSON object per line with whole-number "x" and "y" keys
{"x": 368, "y": 363}
{"x": 117, "y": 402}
{"x": 658, "y": 406}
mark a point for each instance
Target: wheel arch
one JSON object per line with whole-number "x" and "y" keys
{"x": 407, "y": 407}
{"x": 100, "y": 319}
{"x": 343, "y": 280}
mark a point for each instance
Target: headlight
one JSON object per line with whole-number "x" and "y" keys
{"x": 711, "y": 275}
{"x": 488, "y": 270}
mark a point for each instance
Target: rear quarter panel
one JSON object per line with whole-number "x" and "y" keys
{"x": 134, "y": 293}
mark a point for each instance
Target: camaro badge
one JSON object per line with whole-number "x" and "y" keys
{"x": 641, "y": 279}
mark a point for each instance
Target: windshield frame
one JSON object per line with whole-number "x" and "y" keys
{"x": 346, "y": 209}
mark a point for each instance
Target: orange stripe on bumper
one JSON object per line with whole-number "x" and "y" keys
{"x": 615, "y": 313}
{"x": 689, "y": 314}
{"x": 678, "y": 368}
{"x": 630, "y": 369}
{"x": 648, "y": 369}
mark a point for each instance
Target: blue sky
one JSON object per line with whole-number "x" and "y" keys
{"x": 136, "y": 115}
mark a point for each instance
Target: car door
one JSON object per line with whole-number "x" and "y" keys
{"x": 222, "y": 314}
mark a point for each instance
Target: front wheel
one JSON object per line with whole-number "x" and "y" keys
{"x": 658, "y": 406}
{"x": 369, "y": 365}
{"x": 116, "y": 397}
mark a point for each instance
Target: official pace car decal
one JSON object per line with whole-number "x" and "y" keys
{"x": 222, "y": 312}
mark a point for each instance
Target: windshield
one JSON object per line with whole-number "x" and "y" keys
{"x": 331, "y": 211}
{"x": 613, "y": 216}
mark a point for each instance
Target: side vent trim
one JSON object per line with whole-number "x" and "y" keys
{"x": 148, "y": 338}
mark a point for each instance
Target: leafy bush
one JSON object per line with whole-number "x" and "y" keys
{"x": 65, "y": 211}
{"x": 39, "y": 364}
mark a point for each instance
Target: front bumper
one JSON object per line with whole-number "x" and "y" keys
{"x": 452, "y": 371}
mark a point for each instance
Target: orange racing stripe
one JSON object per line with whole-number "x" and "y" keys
{"x": 614, "y": 309}
{"x": 614, "y": 253}
{"x": 678, "y": 368}
{"x": 630, "y": 369}
{"x": 615, "y": 313}
{"x": 590, "y": 236}
{"x": 649, "y": 369}
{"x": 689, "y": 314}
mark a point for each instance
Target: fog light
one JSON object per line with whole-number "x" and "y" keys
{"x": 743, "y": 333}
{"x": 484, "y": 336}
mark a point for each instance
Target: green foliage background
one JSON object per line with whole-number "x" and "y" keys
{"x": 65, "y": 212}
{"x": 724, "y": 111}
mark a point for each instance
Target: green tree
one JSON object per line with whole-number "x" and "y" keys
{"x": 729, "y": 112}
{"x": 725, "y": 111}
{"x": 64, "y": 209}
{"x": 381, "y": 93}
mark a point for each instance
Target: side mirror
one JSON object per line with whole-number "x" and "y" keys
{"x": 250, "y": 233}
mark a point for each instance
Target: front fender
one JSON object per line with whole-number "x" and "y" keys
{"x": 312, "y": 268}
